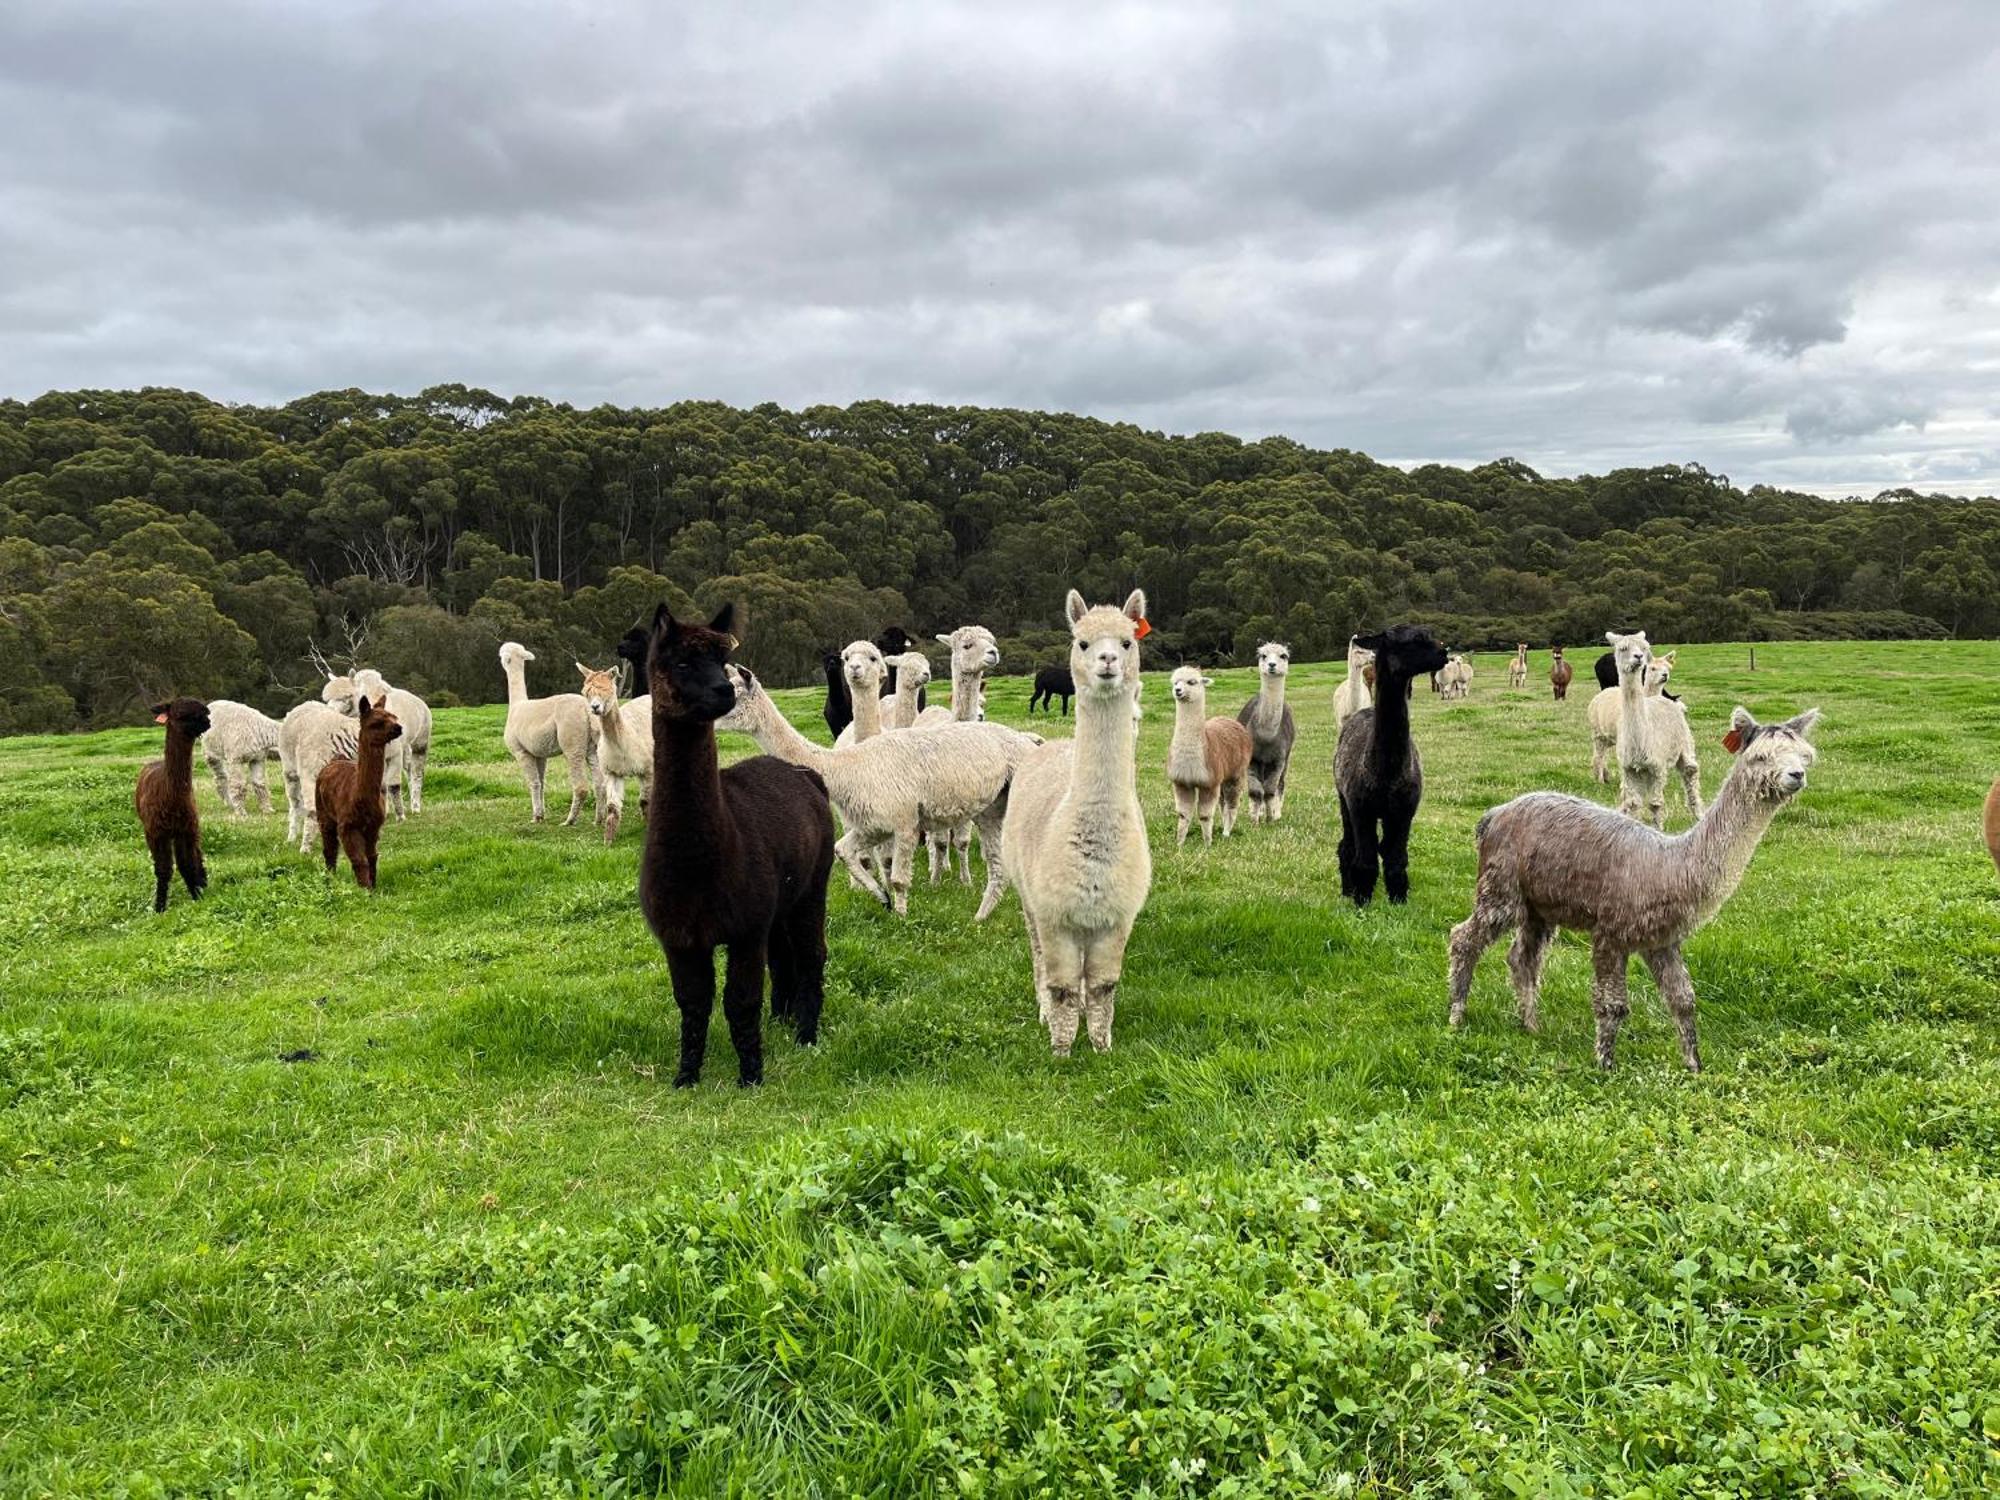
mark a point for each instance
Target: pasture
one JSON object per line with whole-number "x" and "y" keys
{"x": 1293, "y": 1236}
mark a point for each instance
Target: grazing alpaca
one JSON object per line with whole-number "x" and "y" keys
{"x": 1993, "y": 822}
{"x": 1517, "y": 669}
{"x": 1358, "y": 691}
{"x": 164, "y": 800}
{"x": 349, "y": 797}
{"x": 1653, "y": 738}
{"x": 539, "y": 729}
{"x": 1606, "y": 708}
{"x": 1547, "y": 861}
{"x": 1075, "y": 839}
{"x": 1377, "y": 771}
{"x": 1269, "y": 719}
{"x": 415, "y": 716}
{"x": 1560, "y": 673}
{"x": 734, "y": 858}
{"x": 238, "y": 742}
{"x": 839, "y": 709}
{"x": 1052, "y": 683}
{"x": 1208, "y": 759}
{"x": 624, "y": 743}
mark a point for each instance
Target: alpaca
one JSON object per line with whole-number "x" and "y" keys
{"x": 1653, "y": 738}
{"x": 912, "y": 671}
{"x": 1269, "y": 719}
{"x": 164, "y": 801}
{"x": 1993, "y": 822}
{"x": 1075, "y": 834}
{"x": 1052, "y": 683}
{"x": 624, "y": 743}
{"x": 340, "y": 694}
{"x": 734, "y": 858}
{"x": 1560, "y": 673}
{"x": 541, "y": 728}
{"x": 415, "y": 716}
{"x": 1606, "y": 708}
{"x": 839, "y": 709}
{"x": 1547, "y": 861}
{"x": 1455, "y": 677}
{"x": 897, "y": 787}
{"x": 865, "y": 670}
{"x": 310, "y": 737}
{"x": 1606, "y": 670}
{"x": 896, "y": 641}
{"x": 238, "y": 742}
{"x": 1208, "y": 759}
{"x": 1517, "y": 668}
{"x": 974, "y": 653}
{"x": 1377, "y": 770}
{"x": 1358, "y": 691}
{"x": 349, "y": 797}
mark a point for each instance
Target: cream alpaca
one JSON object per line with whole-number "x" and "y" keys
{"x": 1353, "y": 694}
{"x": 624, "y": 743}
{"x": 238, "y": 742}
{"x": 539, "y": 729}
{"x": 864, "y": 669}
{"x": 1653, "y": 738}
{"x": 1208, "y": 759}
{"x": 310, "y": 738}
{"x": 1455, "y": 678}
{"x": 1548, "y": 861}
{"x": 974, "y": 653}
{"x": 1517, "y": 667}
{"x": 1606, "y": 708}
{"x": 411, "y": 750}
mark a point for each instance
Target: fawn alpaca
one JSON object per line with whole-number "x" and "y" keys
{"x": 348, "y": 797}
{"x": 164, "y": 800}
{"x": 1561, "y": 673}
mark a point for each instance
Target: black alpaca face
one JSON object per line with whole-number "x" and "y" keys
{"x": 893, "y": 641}
{"x": 632, "y": 648}
{"x": 687, "y": 666}
{"x": 189, "y": 715}
{"x": 1405, "y": 650}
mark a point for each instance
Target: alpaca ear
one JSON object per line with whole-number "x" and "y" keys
{"x": 663, "y": 619}
{"x": 1135, "y": 606}
{"x": 1208, "y": 682}
{"x": 1611, "y": 637}
{"x": 1802, "y": 725}
{"x": 363, "y": 707}
{"x": 1742, "y": 729}
{"x": 945, "y": 640}
{"x": 724, "y": 622}
{"x": 581, "y": 668}
{"x": 1073, "y": 607}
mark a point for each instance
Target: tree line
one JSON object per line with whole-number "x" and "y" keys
{"x": 155, "y": 541}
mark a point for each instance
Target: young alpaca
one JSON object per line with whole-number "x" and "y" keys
{"x": 1358, "y": 691}
{"x": 1377, "y": 771}
{"x": 539, "y": 729}
{"x": 1269, "y": 719}
{"x": 1653, "y": 738}
{"x": 1208, "y": 759}
{"x": 340, "y": 694}
{"x": 1560, "y": 673}
{"x": 1517, "y": 669}
{"x": 1075, "y": 839}
{"x": 1606, "y": 708}
{"x": 734, "y": 858}
{"x": 349, "y": 797}
{"x": 164, "y": 801}
{"x": 413, "y": 752}
{"x": 1052, "y": 683}
{"x": 1547, "y": 861}
{"x": 624, "y": 743}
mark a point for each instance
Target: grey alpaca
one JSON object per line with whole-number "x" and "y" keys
{"x": 1377, "y": 771}
{"x": 1547, "y": 861}
{"x": 1269, "y": 719}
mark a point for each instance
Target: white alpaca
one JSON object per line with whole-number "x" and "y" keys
{"x": 974, "y": 653}
{"x": 624, "y": 743}
{"x": 310, "y": 738}
{"x": 1353, "y": 694}
{"x": 1517, "y": 667}
{"x": 1653, "y": 738}
{"x": 1455, "y": 677}
{"x": 341, "y": 695}
{"x": 238, "y": 742}
{"x": 414, "y": 744}
{"x": 1607, "y": 708}
{"x": 539, "y": 729}
{"x": 1074, "y": 843}
{"x": 865, "y": 669}
{"x": 896, "y": 787}
{"x": 913, "y": 675}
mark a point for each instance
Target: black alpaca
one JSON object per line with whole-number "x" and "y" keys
{"x": 1052, "y": 683}
{"x": 734, "y": 858}
{"x": 1377, "y": 771}
{"x": 164, "y": 800}
{"x": 1607, "y": 670}
{"x": 839, "y": 710}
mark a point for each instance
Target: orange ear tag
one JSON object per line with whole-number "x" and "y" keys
{"x": 1143, "y": 629}
{"x": 1733, "y": 741}
{"x": 159, "y": 718}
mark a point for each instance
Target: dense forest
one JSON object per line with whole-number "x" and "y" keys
{"x": 155, "y": 541}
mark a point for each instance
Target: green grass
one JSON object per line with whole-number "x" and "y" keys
{"x": 1292, "y": 1237}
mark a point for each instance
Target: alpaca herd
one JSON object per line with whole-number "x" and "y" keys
{"x": 739, "y": 858}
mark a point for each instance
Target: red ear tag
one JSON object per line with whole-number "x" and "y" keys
{"x": 1143, "y": 629}
{"x": 1733, "y": 741}
{"x": 159, "y": 718}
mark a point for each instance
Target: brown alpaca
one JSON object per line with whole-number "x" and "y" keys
{"x": 349, "y": 798}
{"x": 1560, "y": 673}
{"x": 1208, "y": 759}
{"x": 164, "y": 800}
{"x": 1993, "y": 822}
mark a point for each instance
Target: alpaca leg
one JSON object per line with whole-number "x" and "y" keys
{"x": 309, "y": 795}
{"x": 1038, "y": 964}
{"x": 1205, "y": 800}
{"x": 225, "y": 786}
{"x": 1062, "y": 959}
{"x": 1469, "y": 939}
{"x": 534, "y": 771}
{"x": 1104, "y": 964}
{"x": 1608, "y": 999}
{"x": 805, "y": 938}
{"x": 1346, "y": 853}
{"x": 329, "y": 842}
{"x": 902, "y": 855}
{"x": 932, "y": 855}
{"x": 1274, "y": 794}
{"x": 743, "y": 1008}
{"x": 1677, "y": 989}
{"x": 579, "y": 778}
{"x": 961, "y": 843}
{"x": 187, "y": 854}
{"x": 1183, "y": 811}
{"x": 1690, "y": 770}
{"x": 1396, "y": 852}
{"x": 258, "y": 786}
{"x": 989, "y": 823}
{"x": 1599, "y": 770}
{"x": 162, "y": 847}
{"x": 294, "y": 804}
{"x": 614, "y": 805}
{"x": 1367, "y": 860}
{"x": 693, "y": 973}
{"x": 417, "y": 760}
{"x": 1524, "y": 965}
{"x": 356, "y": 845}
{"x": 1228, "y": 793}
{"x": 850, "y": 852}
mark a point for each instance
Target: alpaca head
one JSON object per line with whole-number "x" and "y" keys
{"x": 600, "y": 691}
{"x": 1273, "y": 659}
{"x": 687, "y": 666}
{"x": 894, "y": 640}
{"x": 862, "y": 666}
{"x": 1774, "y": 757}
{"x": 370, "y": 683}
{"x": 913, "y": 669}
{"x": 1190, "y": 687}
{"x": 513, "y": 654}
{"x": 378, "y": 725}
{"x": 1359, "y": 655}
{"x": 1404, "y": 651}
{"x": 1633, "y": 653}
{"x": 1104, "y": 651}
{"x": 188, "y": 715}
{"x": 974, "y": 652}
{"x": 337, "y": 693}
{"x": 1658, "y": 670}
{"x": 631, "y": 648}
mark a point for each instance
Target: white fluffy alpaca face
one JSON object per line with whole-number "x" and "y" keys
{"x": 1274, "y": 660}
{"x": 1633, "y": 653}
{"x": 974, "y": 651}
{"x": 1104, "y": 645}
{"x": 1776, "y": 757}
{"x": 338, "y": 694}
{"x": 1189, "y": 685}
{"x": 862, "y": 664}
{"x": 913, "y": 667}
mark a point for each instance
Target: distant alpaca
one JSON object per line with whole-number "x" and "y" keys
{"x": 1269, "y": 719}
{"x": 1208, "y": 759}
{"x": 164, "y": 801}
{"x": 1548, "y": 861}
{"x": 1653, "y": 738}
{"x": 349, "y": 797}
{"x": 1377, "y": 771}
{"x": 734, "y": 858}
{"x": 238, "y": 742}
{"x": 1358, "y": 691}
{"x": 1455, "y": 677}
{"x": 1560, "y": 673}
{"x": 1993, "y": 822}
{"x": 538, "y": 729}
{"x": 1075, "y": 837}
{"x": 624, "y": 743}
{"x": 1052, "y": 683}
{"x": 1517, "y": 669}
{"x": 1608, "y": 706}
{"x": 415, "y": 716}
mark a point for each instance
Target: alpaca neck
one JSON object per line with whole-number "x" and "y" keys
{"x": 517, "y": 683}
{"x": 905, "y": 712}
{"x": 1631, "y": 712}
{"x": 965, "y": 693}
{"x": 775, "y": 735}
{"x": 1717, "y": 850}
{"x": 687, "y": 828}
{"x": 1270, "y": 704}
{"x": 368, "y": 760}
{"x": 179, "y": 761}
{"x": 867, "y": 711}
{"x": 1356, "y": 683}
{"x": 1187, "y": 751}
{"x": 612, "y": 724}
{"x": 1105, "y": 769}
{"x": 1391, "y": 745}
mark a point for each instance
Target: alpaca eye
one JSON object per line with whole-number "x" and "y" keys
{"x": 1127, "y": 645}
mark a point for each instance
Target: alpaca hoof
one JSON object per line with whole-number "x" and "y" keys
{"x": 751, "y": 1083}
{"x": 686, "y": 1080}
{"x": 1401, "y": 899}
{"x": 1457, "y": 1017}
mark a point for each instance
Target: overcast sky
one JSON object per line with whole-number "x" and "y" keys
{"x": 1761, "y": 237}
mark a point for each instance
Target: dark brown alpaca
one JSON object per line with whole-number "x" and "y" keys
{"x": 349, "y": 798}
{"x": 164, "y": 800}
{"x": 734, "y": 859}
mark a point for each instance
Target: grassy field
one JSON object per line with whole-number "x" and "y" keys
{"x": 1292, "y": 1237}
